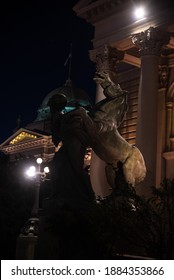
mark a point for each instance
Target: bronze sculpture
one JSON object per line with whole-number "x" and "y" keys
{"x": 101, "y": 126}
{"x": 68, "y": 177}
{"x": 99, "y": 129}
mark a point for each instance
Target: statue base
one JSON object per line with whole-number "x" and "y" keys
{"x": 65, "y": 232}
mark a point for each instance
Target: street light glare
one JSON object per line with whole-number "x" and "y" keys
{"x": 139, "y": 13}
{"x": 39, "y": 160}
{"x": 46, "y": 169}
{"x": 32, "y": 168}
{"x": 31, "y": 171}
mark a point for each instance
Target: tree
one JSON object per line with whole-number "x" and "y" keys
{"x": 126, "y": 223}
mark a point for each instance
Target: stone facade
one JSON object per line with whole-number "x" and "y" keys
{"x": 139, "y": 55}
{"x": 145, "y": 71}
{"x": 27, "y": 143}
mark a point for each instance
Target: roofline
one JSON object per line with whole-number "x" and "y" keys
{"x": 18, "y": 132}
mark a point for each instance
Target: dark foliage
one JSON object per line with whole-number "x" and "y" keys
{"x": 128, "y": 224}
{"x": 121, "y": 224}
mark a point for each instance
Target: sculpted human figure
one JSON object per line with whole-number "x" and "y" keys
{"x": 68, "y": 176}
{"x": 99, "y": 130}
{"x": 101, "y": 126}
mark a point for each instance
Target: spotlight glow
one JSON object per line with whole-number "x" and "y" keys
{"x": 139, "y": 13}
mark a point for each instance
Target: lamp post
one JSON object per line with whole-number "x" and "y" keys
{"x": 28, "y": 238}
{"x": 39, "y": 176}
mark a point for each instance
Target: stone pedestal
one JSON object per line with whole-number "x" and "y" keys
{"x": 27, "y": 241}
{"x": 65, "y": 232}
{"x": 48, "y": 246}
{"x": 26, "y": 246}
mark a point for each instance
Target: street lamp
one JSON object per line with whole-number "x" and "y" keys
{"x": 27, "y": 240}
{"x": 35, "y": 172}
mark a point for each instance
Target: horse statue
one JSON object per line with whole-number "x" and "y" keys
{"x": 101, "y": 126}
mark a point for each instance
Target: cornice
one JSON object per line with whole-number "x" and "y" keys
{"x": 98, "y": 10}
{"x": 38, "y": 143}
{"x": 130, "y": 59}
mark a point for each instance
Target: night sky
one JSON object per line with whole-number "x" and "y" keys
{"x": 35, "y": 43}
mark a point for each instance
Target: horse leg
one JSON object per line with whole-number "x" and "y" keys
{"x": 110, "y": 175}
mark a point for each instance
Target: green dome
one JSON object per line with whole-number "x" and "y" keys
{"x": 73, "y": 94}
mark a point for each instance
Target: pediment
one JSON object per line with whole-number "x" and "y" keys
{"x": 20, "y": 136}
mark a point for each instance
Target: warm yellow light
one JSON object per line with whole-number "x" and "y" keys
{"x": 21, "y": 136}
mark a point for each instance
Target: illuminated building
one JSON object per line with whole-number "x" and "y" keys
{"x": 35, "y": 139}
{"x": 138, "y": 51}
{"x": 137, "y": 48}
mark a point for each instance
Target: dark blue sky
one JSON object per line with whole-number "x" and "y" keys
{"x": 35, "y": 43}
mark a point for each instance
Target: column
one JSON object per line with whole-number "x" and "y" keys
{"x": 150, "y": 44}
{"x": 169, "y": 109}
{"x": 105, "y": 59}
{"x": 161, "y": 119}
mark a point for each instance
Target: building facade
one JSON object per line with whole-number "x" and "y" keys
{"x": 138, "y": 53}
{"x": 35, "y": 140}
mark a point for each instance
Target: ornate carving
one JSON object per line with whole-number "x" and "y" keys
{"x": 27, "y": 145}
{"x": 151, "y": 41}
{"x": 163, "y": 76}
{"x": 95, "y": 10}
{"x": 170, "y": 93}
{"x": 106, "y": 58}
{"x": 170, "y": 118}
{"x": 169, "y": 108}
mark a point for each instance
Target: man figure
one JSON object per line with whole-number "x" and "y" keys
{"x": 69, "y": 179}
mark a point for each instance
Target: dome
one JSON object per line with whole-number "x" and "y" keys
{"x": 74, "y": 95}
